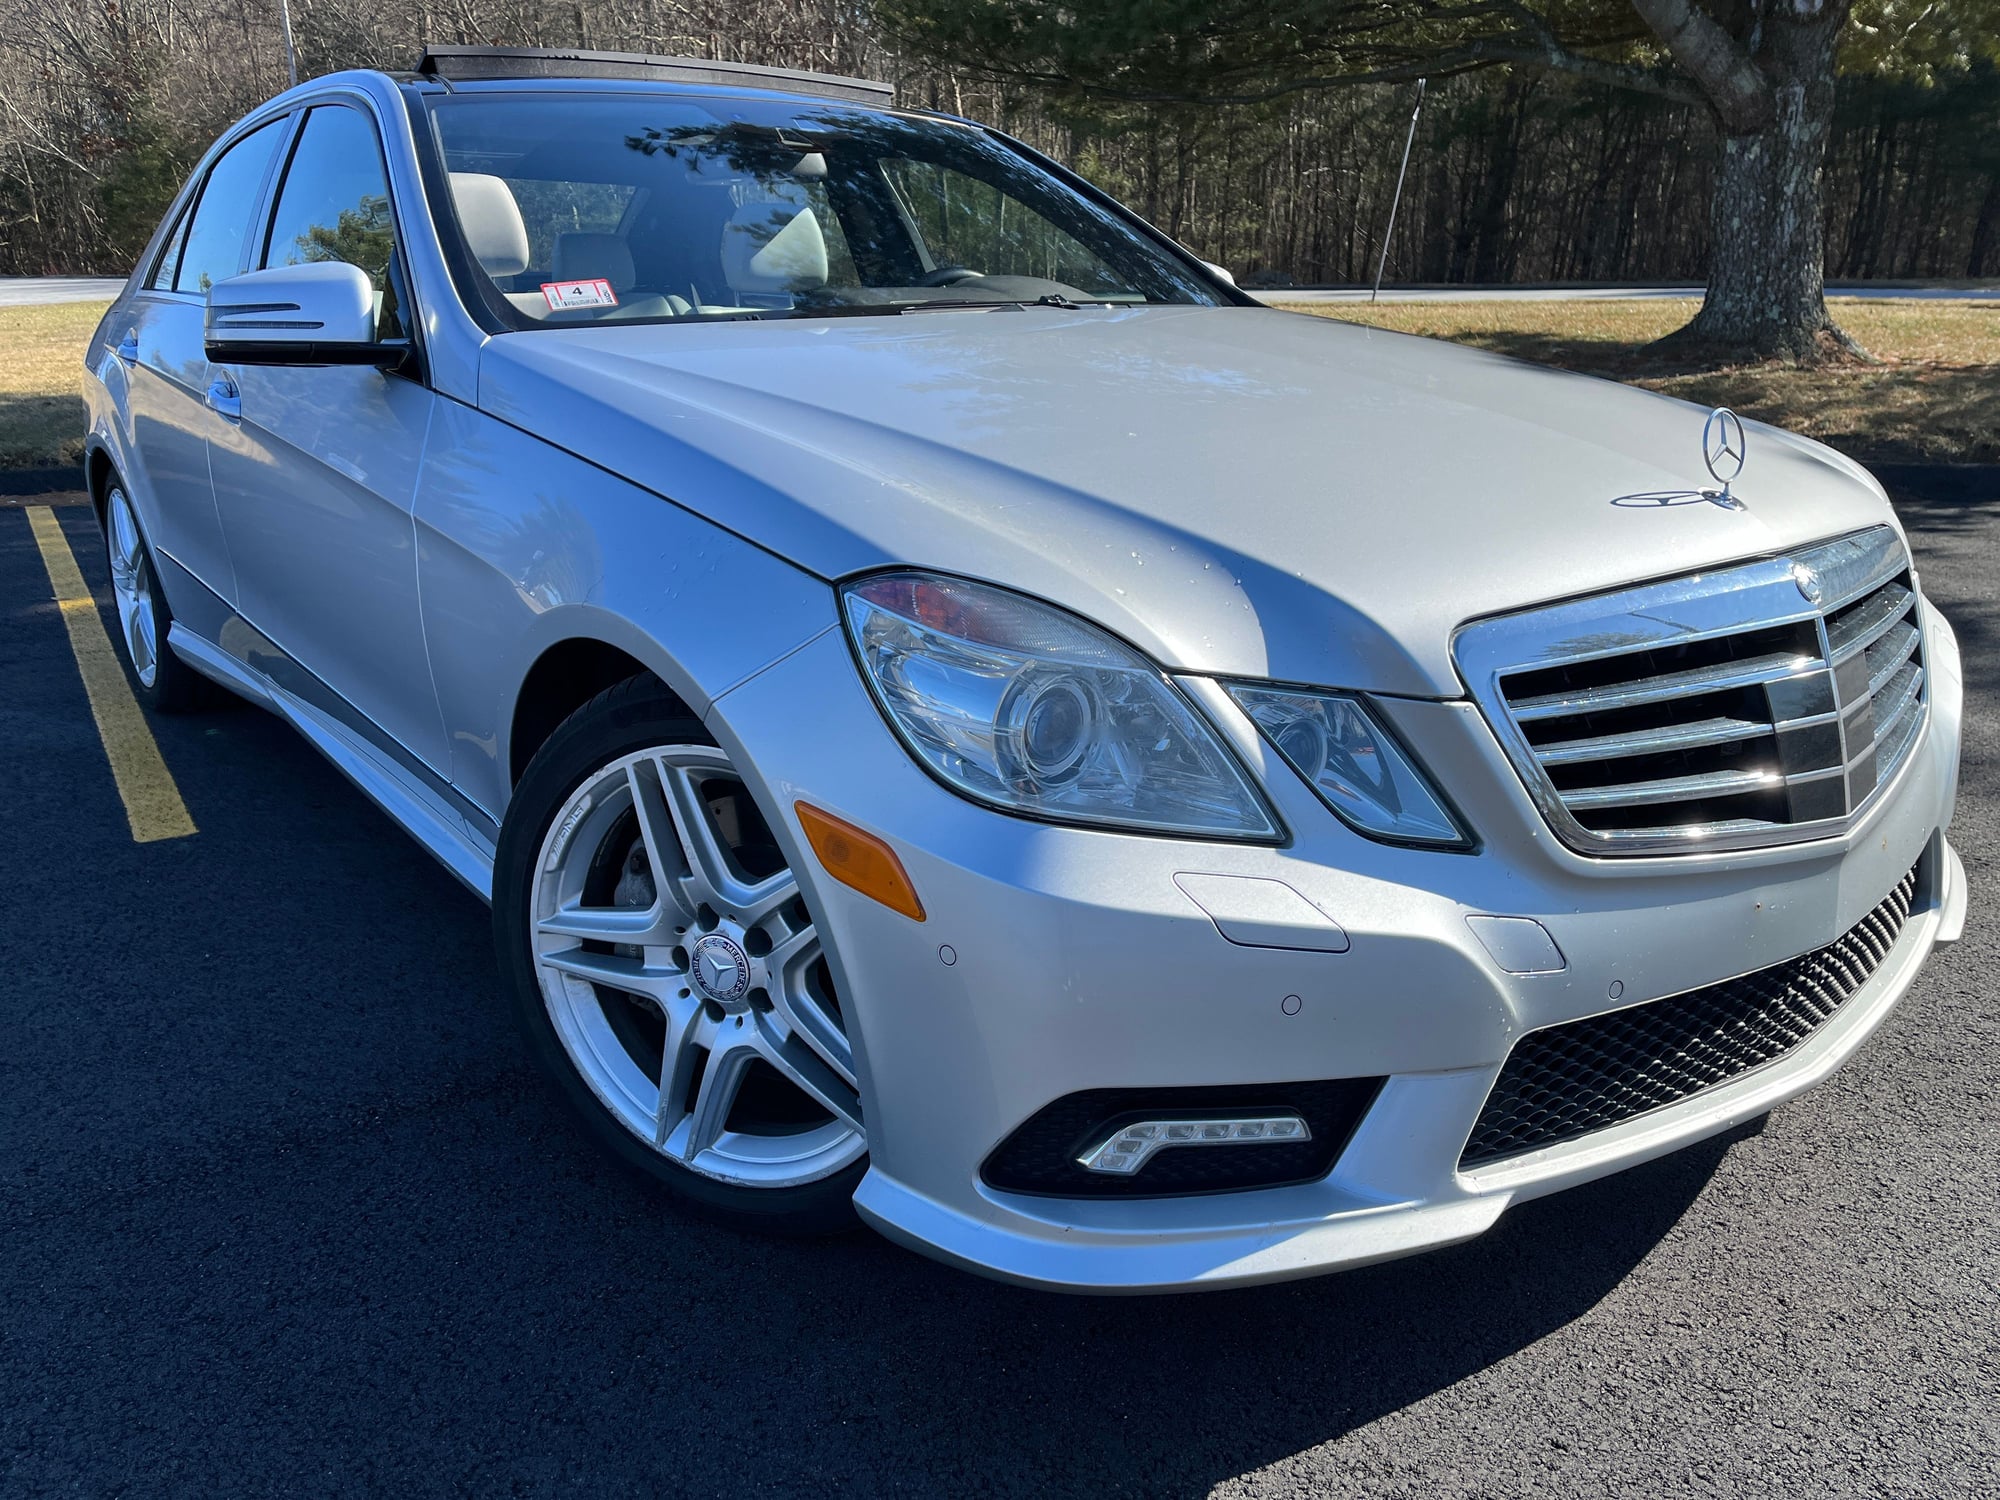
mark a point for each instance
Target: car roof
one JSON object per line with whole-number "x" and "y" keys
{"x": 456, "y": 66}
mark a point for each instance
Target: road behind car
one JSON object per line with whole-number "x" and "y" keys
{"x": 284, "y": 1210}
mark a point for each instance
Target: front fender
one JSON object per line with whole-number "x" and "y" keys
{"x": 521, "y": 546}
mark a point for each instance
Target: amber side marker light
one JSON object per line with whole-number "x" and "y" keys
{"x": 860, "y": 860}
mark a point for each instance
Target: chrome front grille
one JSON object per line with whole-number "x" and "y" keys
{"x": 1760, "y": 704}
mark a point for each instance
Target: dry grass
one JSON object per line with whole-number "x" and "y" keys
{"x": 41, "y": 374}
{"x": 1935, "y": 396}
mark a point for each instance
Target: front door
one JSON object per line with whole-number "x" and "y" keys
{"x": 159, "y": 340}
{"x": 316, "y": 470}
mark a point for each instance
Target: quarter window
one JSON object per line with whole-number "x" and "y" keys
{"x": 214, "y": 249}
{"x": 169, "y": 262}
{"x": 334, "y": 205}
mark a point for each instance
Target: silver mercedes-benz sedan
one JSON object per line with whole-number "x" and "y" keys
{"x": 963, "y": 716}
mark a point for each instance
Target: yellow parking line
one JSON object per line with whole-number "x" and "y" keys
{"x": 153, "y": 803}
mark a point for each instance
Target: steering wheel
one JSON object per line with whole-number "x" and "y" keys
{"x": 948, "y": 276}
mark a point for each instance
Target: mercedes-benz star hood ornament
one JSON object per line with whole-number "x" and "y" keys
{"x": 1722, "y": 446}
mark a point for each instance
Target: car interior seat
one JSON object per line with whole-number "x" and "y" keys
{"x": 773, "y": 251}
{"x": 589, "y": 255}
{"x": 495, "y": 232}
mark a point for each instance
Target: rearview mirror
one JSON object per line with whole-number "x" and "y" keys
{"x": 1221, "y": 271}
{"x": 317, "y": 314}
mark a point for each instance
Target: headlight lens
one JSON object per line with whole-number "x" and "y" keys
{"x": 1353, "y": 762}
{"x": 1018, "y": 704}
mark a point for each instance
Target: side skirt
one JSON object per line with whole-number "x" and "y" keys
{"x": 460, "y": 838}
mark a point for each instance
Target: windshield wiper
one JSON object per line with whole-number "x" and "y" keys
{"x": 889, "y": 309}
{"x": 945, "y": 304}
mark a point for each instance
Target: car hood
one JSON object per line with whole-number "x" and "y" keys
{"x": 1236, "y": 491}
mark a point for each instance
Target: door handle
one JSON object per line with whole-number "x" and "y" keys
{"x": 223, "y": 397}
{"x": 128, "y": 348}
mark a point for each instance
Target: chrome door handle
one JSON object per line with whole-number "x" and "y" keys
{"x": 128, "y": 349}
{"x": 223, "y": 397}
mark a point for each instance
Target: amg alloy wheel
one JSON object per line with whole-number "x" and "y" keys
{"x": 675, "y": 968}
{"x": 166, "y": 683}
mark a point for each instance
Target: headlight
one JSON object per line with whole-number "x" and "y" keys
{"x": 1353, "y": 762}
{"x": 1018, "y": 704}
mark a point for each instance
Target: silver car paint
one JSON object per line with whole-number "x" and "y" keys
{"x": 1235, "y": 491}
{"x": 521, "y": 547}
{"x": 315, "y": 485}
{"x": 1079, "y": 964}
{"x": 166, "y": 414}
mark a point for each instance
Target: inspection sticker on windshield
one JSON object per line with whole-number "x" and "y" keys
{"x": 564, "y": 295}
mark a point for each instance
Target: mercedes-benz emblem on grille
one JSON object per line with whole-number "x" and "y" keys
{"x": 721, "y": 968}
{"x": 1722, "y": 448}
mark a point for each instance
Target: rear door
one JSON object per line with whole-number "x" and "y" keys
{"x": 158, "y": 336}
{"x": 315, "y": 476}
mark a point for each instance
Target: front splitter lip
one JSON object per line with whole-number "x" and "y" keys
{"x": 1019, "y": 1242}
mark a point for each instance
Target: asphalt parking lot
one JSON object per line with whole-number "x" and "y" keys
{"x": 284, "y": 1211}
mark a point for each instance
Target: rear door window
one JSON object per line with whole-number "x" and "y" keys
{"x": 215, "y": 240}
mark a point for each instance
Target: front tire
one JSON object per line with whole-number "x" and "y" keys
{"x": 166, "y": 684}
{"x": 666, "y": 972}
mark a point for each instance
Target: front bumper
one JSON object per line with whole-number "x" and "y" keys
{"x": 1056, "y": 960}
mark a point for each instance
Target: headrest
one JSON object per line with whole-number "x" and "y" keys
{"x": 492, "y": 223}
{"x": 581, "y": 255}
{"x": 773, "y": 247}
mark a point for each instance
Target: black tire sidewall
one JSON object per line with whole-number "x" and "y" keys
{"x": 176, "y": 688}
{"x": 635, "y": 715}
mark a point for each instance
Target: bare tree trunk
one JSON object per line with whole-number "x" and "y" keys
{"x": 1767, "y": 252}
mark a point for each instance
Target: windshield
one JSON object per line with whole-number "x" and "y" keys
{"x": 640, "y": 207}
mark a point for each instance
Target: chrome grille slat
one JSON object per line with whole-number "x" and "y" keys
{"x": 1650, "y": 741}
{"x": 1668, "y": 686}
{"x": 1892, "y": 742}
{"x": 1677, "y": 789}
{"x": 1899, "y": 700}
{"x": 1888, "y": 656}
{"x": 1856, "y": 565}
{"x": 1712, "y": 712}
{"x": 1861, "y": 628}
{"x": 1721, "y": 833}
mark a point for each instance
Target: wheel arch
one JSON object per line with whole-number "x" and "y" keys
{"x": 566, "y": 674}
{"x": 99, "y": 469}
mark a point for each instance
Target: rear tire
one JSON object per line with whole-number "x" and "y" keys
{"x": 164, "y": 682}
{"x": 666, "y": 973}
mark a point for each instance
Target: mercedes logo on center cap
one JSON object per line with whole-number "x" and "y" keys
{"x": 1722, "y": 448}
{"x": 721, "y": 968}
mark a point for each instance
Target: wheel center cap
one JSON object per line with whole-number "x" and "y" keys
{"x": 721, "y": 968}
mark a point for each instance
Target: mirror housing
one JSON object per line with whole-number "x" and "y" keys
{"x": 1220, "y": 271}
{"x": 317, "y": 314}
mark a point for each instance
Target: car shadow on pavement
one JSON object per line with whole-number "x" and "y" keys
{"x": 962, "y": 1382}
{"x": 283, "y": 1205}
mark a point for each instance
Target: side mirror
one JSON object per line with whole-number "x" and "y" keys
{"x": 1220, "y": 271}
{"x": 317, "y": 314}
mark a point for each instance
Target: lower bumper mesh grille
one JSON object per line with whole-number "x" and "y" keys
{"x": 1567, "y": 1081}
